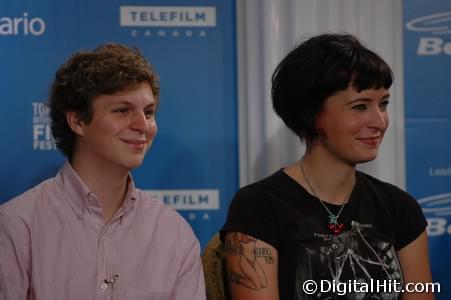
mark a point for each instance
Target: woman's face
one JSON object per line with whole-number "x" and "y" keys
{"x": 352, "y": 124}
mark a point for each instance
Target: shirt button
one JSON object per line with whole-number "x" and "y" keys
{"x": 104, "y": 286}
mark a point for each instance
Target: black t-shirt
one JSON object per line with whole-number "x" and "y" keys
{"x": 379, "y": 220}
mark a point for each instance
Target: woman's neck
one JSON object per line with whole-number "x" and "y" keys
{"x": 325, "y": 177}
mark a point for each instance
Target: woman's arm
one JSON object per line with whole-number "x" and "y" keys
{"x": 414, "y": 259}
{"x": 251, "y": 268}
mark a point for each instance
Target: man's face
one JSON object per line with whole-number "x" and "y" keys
{"x": 352, "y": 124}
{"x": 121, "y": 130}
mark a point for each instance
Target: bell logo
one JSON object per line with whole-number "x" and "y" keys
{"x": 437, "y": 209}
{"x": 434, "y": 25}
{"x": 21, "y": 25}
{"x": 433, "y": 46}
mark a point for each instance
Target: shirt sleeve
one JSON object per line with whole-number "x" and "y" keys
{"x": 252, "y": 213}
{"x": 14, "y": 258}
{"x": 410, "y": 221}
{"x": 190, "y": 282}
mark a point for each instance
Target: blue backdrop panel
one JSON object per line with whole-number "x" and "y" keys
{"x": 427, "y": 40}
{"x": 193, "y": 163}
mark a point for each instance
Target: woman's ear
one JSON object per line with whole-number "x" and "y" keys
{"x": 74, "y": 122}
{"x": 319, "y": 124}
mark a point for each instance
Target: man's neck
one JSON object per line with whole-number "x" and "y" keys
{"x": 109, "y": 185}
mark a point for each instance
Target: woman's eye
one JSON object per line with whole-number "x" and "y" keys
{"x": 359, "y": 107}
{"x": 383, "y": 105}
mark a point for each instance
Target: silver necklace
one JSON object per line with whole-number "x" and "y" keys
{"x": 333, "y": 225}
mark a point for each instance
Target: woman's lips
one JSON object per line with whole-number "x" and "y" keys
{"x": 372, "y": 141}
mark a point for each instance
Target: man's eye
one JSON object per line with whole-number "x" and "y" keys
{"x": 359, "y": 107}
{"x": 149, "y": 114}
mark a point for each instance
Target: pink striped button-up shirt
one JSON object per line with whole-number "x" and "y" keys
{"x": 54, "y": 244}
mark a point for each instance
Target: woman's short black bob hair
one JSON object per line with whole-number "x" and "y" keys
{"x": 317, "y": 69}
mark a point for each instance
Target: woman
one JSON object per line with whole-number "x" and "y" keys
{"x": 321, "y": 229}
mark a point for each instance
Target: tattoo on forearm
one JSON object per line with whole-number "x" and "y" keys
{"x": 250, "y": 273}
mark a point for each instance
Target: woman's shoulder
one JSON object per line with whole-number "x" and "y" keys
{"x": 385, "y": 189}
{"x": 276, "y": 182}
{"x": 266, "y": 192}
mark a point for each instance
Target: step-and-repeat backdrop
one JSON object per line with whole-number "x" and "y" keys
{"x": 427, "y": 48}
{"x": 193, "y": 163}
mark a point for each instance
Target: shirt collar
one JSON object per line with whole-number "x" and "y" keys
{"x": 79, "y": 194}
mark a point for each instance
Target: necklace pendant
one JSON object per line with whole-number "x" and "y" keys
{"x": 336, "y": 228}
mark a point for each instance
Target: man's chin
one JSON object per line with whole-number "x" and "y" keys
{"x": 133, "y": 164}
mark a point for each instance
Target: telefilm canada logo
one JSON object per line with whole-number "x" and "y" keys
{"x": 24, "y": 24}
{"x": 433, "y": 28}
{"x": 197, "y": 203}
{"x": 168, "y": 21}
{"x": 437, "y": 209}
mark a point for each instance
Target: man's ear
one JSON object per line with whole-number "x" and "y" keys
{"x": 74, "y": 122}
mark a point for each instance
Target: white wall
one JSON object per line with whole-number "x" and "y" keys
{"x": 267, "y": 31}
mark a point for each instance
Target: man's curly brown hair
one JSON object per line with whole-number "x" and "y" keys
{"x": 86, "y": 75}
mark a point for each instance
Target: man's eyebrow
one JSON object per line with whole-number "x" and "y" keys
{"x": 151, "y": 105}
{"x": 121, "y": 102}
{"x": 130, "y": 103}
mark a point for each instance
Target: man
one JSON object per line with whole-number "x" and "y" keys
{"x": 88, "y": 233}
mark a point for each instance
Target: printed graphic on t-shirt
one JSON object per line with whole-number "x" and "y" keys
{"x": 356, "y": 255}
